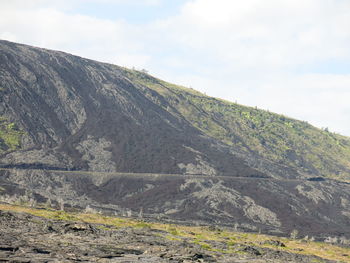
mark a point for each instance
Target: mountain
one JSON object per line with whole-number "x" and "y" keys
{"x": 62, "y": 111}
{"x": 83, "y": 133}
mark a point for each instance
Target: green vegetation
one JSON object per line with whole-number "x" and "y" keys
{"x": 173, "y": 231}
{"x": 203, "y": 236}
{"x": 143, "y": 225}
{"x": 10, "y": 136}
{"x": 274, "y": 137}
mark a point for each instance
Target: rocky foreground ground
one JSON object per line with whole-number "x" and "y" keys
{"x": 28, "y": 238}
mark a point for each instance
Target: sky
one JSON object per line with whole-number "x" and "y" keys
{"x": 287, "y": 56}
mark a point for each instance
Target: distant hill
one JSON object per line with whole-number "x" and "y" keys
{"x": 61, "y": 111}
{"x": 90, "y": 134}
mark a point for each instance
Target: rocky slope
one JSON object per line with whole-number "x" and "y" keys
{"x": 317, "y": 209}
{"x": 52, "y": 238}
{"x": 61, "y": 111}
{"x": 226, "y": 164}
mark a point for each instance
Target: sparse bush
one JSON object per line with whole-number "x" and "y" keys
{"x": 294, "y": 234}
{"x": 141, "y": 213}
{"x": 61, "y": 204}
{"x": 90, "y": 210}
{"x": 32, "y": 202}
{"x": 173, "y": 231}
{"x": 143, "y": 225}
{"x": 48, "y": 203}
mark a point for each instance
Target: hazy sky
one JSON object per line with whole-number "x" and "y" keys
{"x": 287, "y": 56}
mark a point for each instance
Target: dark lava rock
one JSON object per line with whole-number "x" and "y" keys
{"x": 8, "y": 248}
{"x": 27, "y": 238}
{"x": 79, "y": 227}
{"x": 276, "y": 243}
{"x": 252, "y": 250}
{"x": 203, "y": 257}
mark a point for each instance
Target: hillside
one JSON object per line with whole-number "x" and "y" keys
{"x": 317, "y": 209}
{"x": 254, "y": 132}
{"x": 80, "y": 133}
{"x": 61, "y": 111}
{"x": 77, "y": 114}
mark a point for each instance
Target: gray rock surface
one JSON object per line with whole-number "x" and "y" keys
{"x": 319, "y": 209}
{"x": 27, "y": 238}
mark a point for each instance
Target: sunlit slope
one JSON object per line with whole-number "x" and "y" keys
{"x": 60, "y": 111}
{"x": 252, "y": 131}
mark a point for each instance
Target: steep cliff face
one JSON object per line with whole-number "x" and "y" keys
{"x": 60, "y": 111}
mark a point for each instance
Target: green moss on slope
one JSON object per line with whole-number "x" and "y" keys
{"x": 10, "y": 136}
{"x": 272, "y": 136}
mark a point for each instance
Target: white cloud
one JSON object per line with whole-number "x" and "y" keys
{"x": 323, "y": 100}
{"x": 98, "y": 39}
{"x": 272, "y": 33}
{"x": 252, "y": 51}
{"x": 141, "y": 2}
{"x": 65, "y": 3}
{"x": 8, "y": 36}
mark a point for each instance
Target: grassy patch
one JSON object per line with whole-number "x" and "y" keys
{"x": 10, "y": 136}
{"x": 143, "y": 225}
{"x": 173, "y": 231}
{"x": 203, "y": 245}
